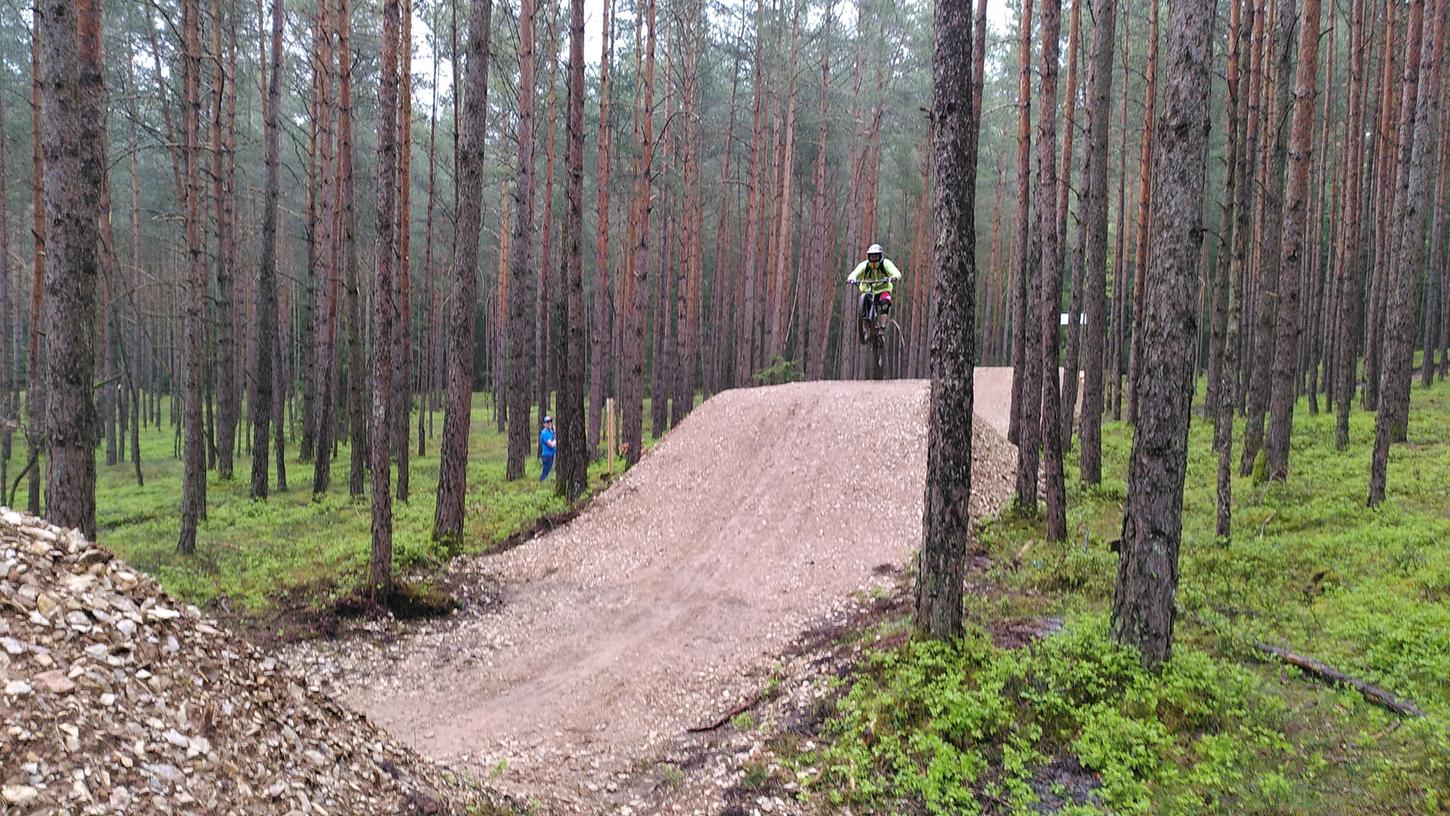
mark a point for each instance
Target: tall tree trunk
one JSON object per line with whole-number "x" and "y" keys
{"x": 636, "y": 277}
{"x": 782, "y": 224}
{"x": 1411, "y": 198}
{"x": 385, "y": 308}
{"x": 659, "y": 362}
{"x": 521, "y": 266}
{"x": 1347, "y": 254}
{"x": 1026, "y": 379}
{"x": 1120, "y": 255}
{"x": 193, "y": 487}
{"x": 747, "y": 318}
{"x": 402, "y": 395}
{"x": 1386, "y": 228}
{"x": 817, "y": 341}
{"x": 73, "y": 95}
{"x": 1049, "y": 306}
{"x": 330, "y": 258}
{"x": 1095, "y": 249}
{"x": 945, "y": 521}
{"x": 453, "y": 448}
{"x": 34, "y": 389}
{"x": 547, "y": 295}
{"x": 1301, "y": 152}
{"x": 573, "y": 453}
{"x": 228, "y": 397}
{"x": 1145, "y": 215}
{"x": 430, "y": 334}
{"x": 1241, "y": 171}
{"x": 262, "y": 396}
{"x": 351, "y": 274}
{"x": 1147, "y": 578}
{"x": 7, "y": 367}
{"x": 691, "y": 244}
{"x": 1429, "y": 343}
{"x": 1074, "y": 260}
{"x": 1272, "y": 277}
{"x": 600, "y": 365}
{"x": 501, "y": 311}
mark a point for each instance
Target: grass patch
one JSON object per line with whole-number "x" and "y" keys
{"x": 308, "y": 550}
{"x": 968, "y": 727}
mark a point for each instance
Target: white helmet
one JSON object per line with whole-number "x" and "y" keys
{"x": 874, "y": 249}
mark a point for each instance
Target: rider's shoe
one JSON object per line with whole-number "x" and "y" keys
{"x": 865, "y": 333}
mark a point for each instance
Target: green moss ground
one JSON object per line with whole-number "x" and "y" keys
{"x": 253, "y": 554}
{"x": 972, "y": 728}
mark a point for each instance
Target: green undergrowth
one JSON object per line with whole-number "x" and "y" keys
{"x": 967, "y": 727}
{"x": 1070, "y": 724}
{"x": 302, "y": 551}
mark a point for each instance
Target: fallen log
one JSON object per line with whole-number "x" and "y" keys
{"x": 1329, "y": 674}
{"x": 727, "y": 717}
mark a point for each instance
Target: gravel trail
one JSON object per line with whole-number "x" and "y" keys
{"x": 668, "y": 600}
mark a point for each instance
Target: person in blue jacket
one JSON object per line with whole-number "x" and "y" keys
{"x": 547, "y": 444}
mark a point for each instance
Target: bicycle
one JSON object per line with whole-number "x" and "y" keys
{"x": 873, "y": 327}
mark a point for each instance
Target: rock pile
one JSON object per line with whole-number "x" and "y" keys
{"x": 116, "y": 699}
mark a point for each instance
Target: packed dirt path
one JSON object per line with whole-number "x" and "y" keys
{"x": 668, "y": 600}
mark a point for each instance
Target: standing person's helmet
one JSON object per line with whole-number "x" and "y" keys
{"x": 874, "y": 249}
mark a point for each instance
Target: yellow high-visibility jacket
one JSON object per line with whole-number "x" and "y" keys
{"x": 875, "y": 278}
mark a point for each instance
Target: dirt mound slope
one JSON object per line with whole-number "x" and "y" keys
{"x": 665, "y": 604}
{"x": 116, "y": 699}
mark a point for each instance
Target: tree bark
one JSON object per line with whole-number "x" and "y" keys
{"x": 402, "y": 357}
{"x": 193, "y": 487}
{"x": 1050, "y": 273}
{"x": 1293, "y": 248}
{"x": 35, "y": 388}
{"x": 573, "y": 452}
{"x": 385, "y": 309}
{"x": 1241, "y": 169}
{"x": 600, "y": 366}
{"x": 7, "y": 367}
{"x": 687, "y": 324}
{"x": 945, "y": 521}
{"x": 1020, "y": 336}
{"x": 453, "y": 446}
{"x": 636, "y": 278}
{"x": 1074, "y": 260}
{"x": 325, "y": 366}
{"x": 1026, "y": 376}
{"x": 73, "y": 94}
{"x": 1272, "y": 278}
{"x": 357, "y": 417}
{"x": 1145, "y": 215}
{"x": 1147, "y": 579}
{"x": 1394, "y": 405}
{"x": 1095, "y": 249}
{"x": 228, "y": 395}
{"x": 262, "y": 397}
{"x": 521, "y": 269}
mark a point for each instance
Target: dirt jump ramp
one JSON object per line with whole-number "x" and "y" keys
{"x": 666, "y": 601}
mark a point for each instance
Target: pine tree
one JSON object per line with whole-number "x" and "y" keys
{"x": 1147, "y": 579}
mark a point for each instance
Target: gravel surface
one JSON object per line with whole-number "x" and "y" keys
{"x": 117, "y": 699}
{"x": 672, "y": 599}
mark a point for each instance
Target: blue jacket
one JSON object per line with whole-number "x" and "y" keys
{"x": 546, "y": 444}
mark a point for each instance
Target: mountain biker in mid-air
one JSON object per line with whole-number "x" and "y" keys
{"x": 875, "y": 276}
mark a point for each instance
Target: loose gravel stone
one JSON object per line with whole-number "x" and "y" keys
{"x": 159, "y": 712}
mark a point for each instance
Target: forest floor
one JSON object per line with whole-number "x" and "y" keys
{"x": 284, "y": 569}
{"x": 622, "y": 664}
{"x": 1006, "y": 721}
{"x": 672, "y": 602}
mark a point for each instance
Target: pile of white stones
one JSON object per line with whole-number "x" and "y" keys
{"x": 116, "y": 699}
